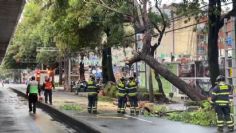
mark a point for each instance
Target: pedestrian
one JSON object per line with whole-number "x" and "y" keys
{"x": 220, "y": 96}
{"x": 92, "y": 95}
{"x": 47, "y": 87}
{"x": 132, "y": 95}
{"x": 33, "y": 91}
{"x": 2, "y": 81}
{"x": 122, "y": 96}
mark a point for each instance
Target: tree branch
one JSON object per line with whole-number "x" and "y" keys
{"x": 134, "y": 59}
{"x": 161, "y": 32}
{"x": 107, "y": 7}
{"x": 227, "y": 16}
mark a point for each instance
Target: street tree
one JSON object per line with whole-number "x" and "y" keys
{"x": 216, "y": 18}
{"x": 142, "y": 24}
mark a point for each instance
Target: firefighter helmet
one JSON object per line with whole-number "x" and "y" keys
{"x": 220, "y": 78}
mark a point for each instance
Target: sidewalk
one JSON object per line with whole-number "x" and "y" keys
{"x": 107, "y": 120}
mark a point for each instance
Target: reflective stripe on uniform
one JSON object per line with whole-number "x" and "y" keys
{"x": 231, "y": 125}
{"x": 222, "y": 93}
{"x": 228, "y": 122}
{"x": 223, "y": 87}
{"x": 221, "y": 101}
{"x": 219, "y": 122}
{"x": 220, "y": 125}
{"x": 213, "y": 93}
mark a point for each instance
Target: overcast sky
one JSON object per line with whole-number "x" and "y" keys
{"x": 177, "y": 1}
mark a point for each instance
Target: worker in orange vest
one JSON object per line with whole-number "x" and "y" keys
{"x": 47, "y": 87}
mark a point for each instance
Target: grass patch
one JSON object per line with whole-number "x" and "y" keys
{"x": 105, "y": 99}
{"x": 73, "y": 107}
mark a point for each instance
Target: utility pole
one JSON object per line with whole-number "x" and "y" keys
{"x": 173, "y": 32}
{"x": 69, "y": 73}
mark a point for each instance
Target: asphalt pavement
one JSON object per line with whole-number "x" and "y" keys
{"x": 15, "y": 118}
{"x": 111, "y": 122}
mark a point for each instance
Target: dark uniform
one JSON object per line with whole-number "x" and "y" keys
{"x": 132, "y": 94}
{"x": 220, "y": 97}
{"x": 122, "y": 93}
{"x": 47, "y": 87}
{"x": 32, "y": 92}
{"x": 92, "y": 96}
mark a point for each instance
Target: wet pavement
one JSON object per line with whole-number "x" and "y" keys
{"x": 111, "y": 122}
{"x": 15, "y": 118}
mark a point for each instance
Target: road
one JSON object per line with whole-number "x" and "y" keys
{"x": 15, "y": 118}
{"x": 131, "y": 124}
{"x": 117, "y": 123}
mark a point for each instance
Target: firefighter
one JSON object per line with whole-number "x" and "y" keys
{"x": 122, "y": 93}
{"x": 92, "y": 95}
{"x": 220, "y": 97}
{"x": 132, "y": 95}
{"x": 32, "y": 92}
{"x": 47, "y": 87}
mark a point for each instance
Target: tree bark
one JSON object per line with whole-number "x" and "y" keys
{"x": 214, "y": 28}
{"x": 191, "y": 91}
{"x": 107, "y": 70}
{"x": 160, "y": 87}
{"x": 60, "y": 72}
{"x": 66, "y": 73}
{"x": 150, "y": 83}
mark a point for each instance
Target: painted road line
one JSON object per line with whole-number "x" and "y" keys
{"x": 139, "y": 119}
{"x": 111, "y": 117}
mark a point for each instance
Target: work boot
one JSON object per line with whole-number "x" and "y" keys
{"x": 131, "y": 112}
{"x": 137, "y": 112}
{"x": 118, "y": 111}
{"x": 220, "y": 129}
{"x": 231, "y": 129}
{"x": 122, "y": 112}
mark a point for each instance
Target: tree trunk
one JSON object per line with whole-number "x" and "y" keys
{"x": 66, "y": 73}
{"x": 213, "y": 54}
{"x": 160, "y": 90}
{"x": 150, "y": 83}
{"x": 60, "y": 73}
{"x": 191, "y": 91}
{"x": 107, "y": 70}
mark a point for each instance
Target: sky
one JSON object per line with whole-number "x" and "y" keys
{"x": 177, "y": 1}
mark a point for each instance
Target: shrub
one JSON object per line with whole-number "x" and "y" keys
{"x": 159, "y": 109}
{"x": 205, "y": 116}
{"x": 110, "y": 90}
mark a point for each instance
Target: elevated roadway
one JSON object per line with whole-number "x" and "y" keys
{"x": 10, "y": 11}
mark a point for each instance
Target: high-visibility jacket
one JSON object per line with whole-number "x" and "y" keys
{"x": 132, "y": 88}
{"x": 33, "y": 87}
{"x": 48, "y": 85}
{"x": 220, "y": 94}
{"x": 121, "y": 89}
{"x": 91, "y": 88}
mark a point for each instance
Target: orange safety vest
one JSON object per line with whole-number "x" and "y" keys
{"x": 48, "y": 85}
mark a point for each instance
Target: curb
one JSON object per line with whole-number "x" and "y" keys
{"x": 78, "y": 125}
